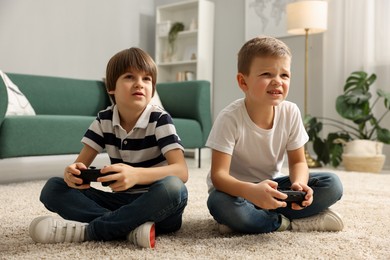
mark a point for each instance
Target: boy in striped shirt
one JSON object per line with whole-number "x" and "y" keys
{"x": 144, "y": 149}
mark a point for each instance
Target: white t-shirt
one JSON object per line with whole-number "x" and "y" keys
{"x": 257, "y": 154}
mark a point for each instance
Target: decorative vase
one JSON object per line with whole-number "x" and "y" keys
{"x": 363, "y": 156}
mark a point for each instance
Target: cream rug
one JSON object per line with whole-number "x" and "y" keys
{"x": 365, "y": 208}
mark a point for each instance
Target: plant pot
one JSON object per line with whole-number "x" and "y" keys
{"x": 363, "y": 156}
{"x": 372, "y": 164}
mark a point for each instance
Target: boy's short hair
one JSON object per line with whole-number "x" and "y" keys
{"x": 133, "y": 59}
{"x": 262, "y": 46}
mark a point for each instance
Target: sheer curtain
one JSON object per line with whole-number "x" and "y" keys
{"x": 358, "y": 38}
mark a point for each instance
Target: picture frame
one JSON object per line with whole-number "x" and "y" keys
{"x": 266, "y": 17}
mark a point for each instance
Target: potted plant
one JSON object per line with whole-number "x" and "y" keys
{"x": 355, "y": 106}
{"x": 172, "y": 36}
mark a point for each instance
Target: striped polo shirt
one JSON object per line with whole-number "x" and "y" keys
{"x": 144, "y": 146}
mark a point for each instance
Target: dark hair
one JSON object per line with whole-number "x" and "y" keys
{"x": 262, "y": 46}
{"x": 129, "y": 60}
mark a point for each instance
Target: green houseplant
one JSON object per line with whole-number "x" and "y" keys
{"x": 172, "y": 36}
{"x": 355, "y": 106}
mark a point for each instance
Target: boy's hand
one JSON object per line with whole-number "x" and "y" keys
{"x": 71, "y": 173}
{"x": 308, "y": 198}
{"x": 265, "y": 195}
{"x": 124, "y": 176}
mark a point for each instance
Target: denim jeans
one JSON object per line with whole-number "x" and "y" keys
{"x": 112, "y": 215}
{"x": 243, "y": 216}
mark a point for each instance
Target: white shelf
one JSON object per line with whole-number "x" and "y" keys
{"x": 178, "y": 63}
{"x": 182, "y": 34}
{"x": 193, "y": 46}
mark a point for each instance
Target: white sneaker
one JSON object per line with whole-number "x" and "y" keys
{"x": 285, "y": 224}
{"x": 143, "y": 236}
{"x": 327, "y": 220}
{"x": 48, "y": 230}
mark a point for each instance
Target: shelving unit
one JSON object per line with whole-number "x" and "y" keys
{"x": 194, "y": 46}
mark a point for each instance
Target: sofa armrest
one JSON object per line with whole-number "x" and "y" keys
{"x": 189, "y": 100}
{"x": 3, "y": 100}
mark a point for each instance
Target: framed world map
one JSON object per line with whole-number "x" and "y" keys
{"x": 266, "y": 17}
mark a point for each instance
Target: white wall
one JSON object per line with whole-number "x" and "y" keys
{"x": 71, "y": 38}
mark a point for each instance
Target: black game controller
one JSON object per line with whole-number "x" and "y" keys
{"x": 91, "y": 175}
{"x": 294, "y": 196}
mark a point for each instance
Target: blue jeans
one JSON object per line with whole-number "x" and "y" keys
{"x": 112, "y": 216}
{"x": 243, "y": 216}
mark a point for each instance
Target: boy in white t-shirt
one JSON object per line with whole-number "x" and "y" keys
{"x": 249, "y": 140}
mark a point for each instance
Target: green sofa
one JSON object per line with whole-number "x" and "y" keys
{"x": 66, "y": 107}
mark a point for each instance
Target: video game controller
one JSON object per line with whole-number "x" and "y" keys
{"x": 91, "y": 175}
{"x": 294, "y": 196}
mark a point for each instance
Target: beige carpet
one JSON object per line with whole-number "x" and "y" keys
{"x": 365, "y": 208}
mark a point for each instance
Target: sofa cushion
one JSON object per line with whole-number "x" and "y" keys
{"x": 189, "y": 131}
{"x": 156, "y": 100}
{"x": 42, "y": 135}
{"x": 18, "y": 104}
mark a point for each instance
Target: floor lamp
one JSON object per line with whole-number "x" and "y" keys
{"x": 304, "y": 18}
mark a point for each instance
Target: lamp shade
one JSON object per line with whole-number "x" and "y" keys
{"x": 307, "y": 15}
